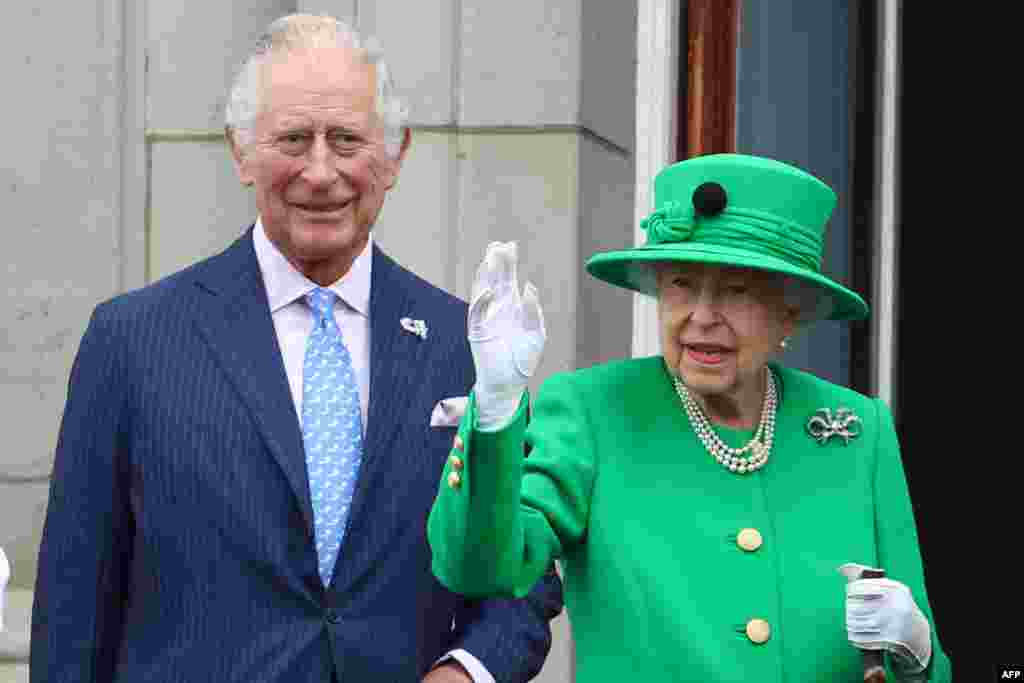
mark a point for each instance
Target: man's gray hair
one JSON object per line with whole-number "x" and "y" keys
{"x": 303, "y": 31}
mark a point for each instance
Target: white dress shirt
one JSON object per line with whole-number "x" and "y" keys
{"x": 293, "y": 321}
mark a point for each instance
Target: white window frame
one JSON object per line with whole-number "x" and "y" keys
{"x": 657, "y": 82}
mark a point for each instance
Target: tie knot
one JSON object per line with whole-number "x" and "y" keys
{"x": 321, "y": 301}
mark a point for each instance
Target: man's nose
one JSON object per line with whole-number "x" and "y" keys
{"x": 322, "y": 165}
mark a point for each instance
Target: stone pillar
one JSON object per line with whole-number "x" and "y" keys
{"x": 70, "y": 242}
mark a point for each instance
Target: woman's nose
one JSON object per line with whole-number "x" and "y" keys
{"x": 705, "y": 307}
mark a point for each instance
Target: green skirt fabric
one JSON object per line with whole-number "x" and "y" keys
{"x": 646, "y": 527}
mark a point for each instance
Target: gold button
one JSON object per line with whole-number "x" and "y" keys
{"x": 454, "y": 480}
{"x": 456, "y": 462}
{"x": 759, "y": 631}
{"x": 458, "y": 443}
{"x": 749, "y": 539}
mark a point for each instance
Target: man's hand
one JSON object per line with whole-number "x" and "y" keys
{"x": 449, "y": 672}
{"x": 506, "y": 333}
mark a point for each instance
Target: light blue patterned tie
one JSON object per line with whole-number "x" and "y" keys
{"x": 332, "y": 428}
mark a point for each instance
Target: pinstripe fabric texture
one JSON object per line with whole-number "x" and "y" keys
{"x": 178, "y": 545}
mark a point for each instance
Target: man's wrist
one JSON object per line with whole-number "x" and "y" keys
{"x": 450, "y": 671}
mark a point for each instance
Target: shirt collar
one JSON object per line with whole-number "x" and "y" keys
{"x": 285, "y": 284}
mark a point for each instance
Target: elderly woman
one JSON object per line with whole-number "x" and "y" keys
{"x": 710, "y": 507}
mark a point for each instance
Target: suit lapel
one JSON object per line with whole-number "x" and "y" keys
{"x": 396, "y": 361}
{"x": 234, "y": 319}
{"x": 395, "y": 354}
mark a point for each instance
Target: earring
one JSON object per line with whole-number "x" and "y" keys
{"x": 784, "y": 343}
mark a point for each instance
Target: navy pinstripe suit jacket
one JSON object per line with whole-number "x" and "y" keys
{"x": 178, "y": 540}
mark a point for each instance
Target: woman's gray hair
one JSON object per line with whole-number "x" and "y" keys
{"x": 811, "y": 302}
{"x": 808, "y": 298}
{"x": 300, "y": 31}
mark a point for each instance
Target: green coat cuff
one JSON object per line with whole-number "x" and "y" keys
{"x": 474, "y": 528}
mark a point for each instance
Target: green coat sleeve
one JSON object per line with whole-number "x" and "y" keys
{"x": 495, "y": 531}
{"x": 896, "y": 534}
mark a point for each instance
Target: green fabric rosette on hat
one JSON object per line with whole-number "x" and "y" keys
{"x": 738, "y": 210}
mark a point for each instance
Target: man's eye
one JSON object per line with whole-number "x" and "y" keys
{"x": 681, "y": 282}
{"x": 346, "y": 140}
{"x": 293, "y": 142}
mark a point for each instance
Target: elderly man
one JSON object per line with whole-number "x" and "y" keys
{"x": 247, "y": 455}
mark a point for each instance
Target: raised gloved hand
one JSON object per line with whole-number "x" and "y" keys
{"x": 881, "y": 615}
{"x": 506, "y": 333}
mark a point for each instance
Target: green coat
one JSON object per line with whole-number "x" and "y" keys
{"x": 645, "y": 524}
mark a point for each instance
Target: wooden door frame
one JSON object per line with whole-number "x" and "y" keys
{"x": 712, "y": 30}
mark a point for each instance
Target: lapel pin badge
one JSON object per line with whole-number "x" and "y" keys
{"x": 417, "y": 327}
{"x": 823, "y": 425}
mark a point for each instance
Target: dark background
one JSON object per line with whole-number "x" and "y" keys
{"x": 960, "y": 340}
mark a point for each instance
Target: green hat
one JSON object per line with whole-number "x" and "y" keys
{"x": 738, "y": 210}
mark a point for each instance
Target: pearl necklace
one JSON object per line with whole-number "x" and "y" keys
{"x": 733, "y": 459}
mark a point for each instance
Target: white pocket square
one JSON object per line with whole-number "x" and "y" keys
{"x": 449, "y": 411}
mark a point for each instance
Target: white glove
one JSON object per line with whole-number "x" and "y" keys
{"x": 881, "y": 615}
{"x": 5, "y": 574}
{"x": 506, "y": 333}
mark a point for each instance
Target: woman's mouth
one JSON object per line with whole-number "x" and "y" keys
{"x": 706, "y": 354}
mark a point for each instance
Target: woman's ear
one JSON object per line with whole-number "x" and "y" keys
{"x": 790, "y": 320}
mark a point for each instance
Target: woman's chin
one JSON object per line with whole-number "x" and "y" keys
{"x": 706, "y": 377}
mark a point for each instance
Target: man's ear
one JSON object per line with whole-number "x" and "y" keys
{"x": 396, "y": 163}
{"x": 238, "y": 156}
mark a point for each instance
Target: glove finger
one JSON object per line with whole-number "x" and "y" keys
{"x": 533, "y": 315}
{"x": 862, "y": 619}
{"x": 861, "y": 610}
{"x": 481, "y": 280}
{"x": 505, "y": 258}
{"x": 479, "y": 310}
{"x": 875, "y": 588}
{"x": 486, "y": 276}
{"x": 863, "y": 638}
{"x": 862, "y": 634}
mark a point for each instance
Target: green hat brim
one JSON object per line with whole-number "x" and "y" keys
{"x": 628, "y": 268}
